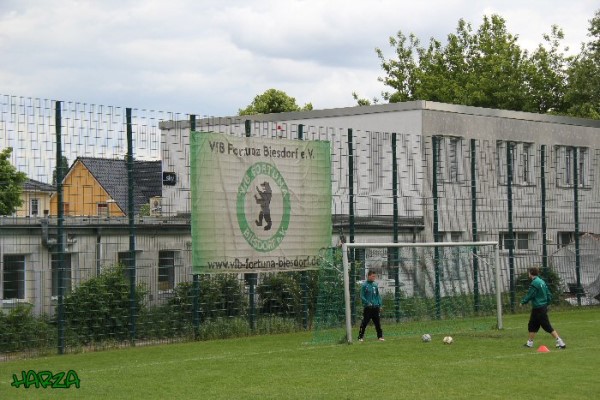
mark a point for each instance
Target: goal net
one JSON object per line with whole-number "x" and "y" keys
{"x": 425, "y": 288}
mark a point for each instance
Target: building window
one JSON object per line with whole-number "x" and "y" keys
{"x": 124, "y": 258}
{"x": 66, "y": 274}
{"x": 521, "y": 241}
{"x": 451, "y": 259}
{"x": 378, "y": 142}
{"x": 393, "y": 261}
{"x": 522, "y": 162}
{"x": 34, "y": 207}
{"x": 451, "y": 236}
{"x": 166, "y": 270}
{"x": 565, "y": 168}
{"x": 449, "y": 158}
{"x": 565, "y": 238}
{"x": 13, "y": 277}
{"x": 524, "y": 175}
{"x": 360, "y": 262}
{"x": 102, "y": 209}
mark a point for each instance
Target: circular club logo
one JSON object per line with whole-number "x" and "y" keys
{"x": 263, "y": 207}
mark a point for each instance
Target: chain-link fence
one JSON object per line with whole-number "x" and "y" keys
{"x": 98, "y": 253}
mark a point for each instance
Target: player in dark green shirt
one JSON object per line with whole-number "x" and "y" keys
{"x": 369, "y": 294}
{"x": 540, "y": 298}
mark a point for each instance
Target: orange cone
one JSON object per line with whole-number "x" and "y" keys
{"x": 543, "y": 349}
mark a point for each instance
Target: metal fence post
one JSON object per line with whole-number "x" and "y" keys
{"x": 303, "y": 274}
{"x": 131, "y": 216}
{"x": 60, "y": 242}
{"x": 544, "y": 221}
{"x": 511, "y": 233}
{"x": 576, "y": 218}
{"x": 352, "y": 255}
{"x": 395, "y": 250}
{"x": 436, "y": 228}
{"x": 473, "y": 153}
{"x": 195, "y": 277}
{"x": 251, "y": 278}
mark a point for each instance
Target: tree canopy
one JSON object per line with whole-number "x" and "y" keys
{"x": 486, "y": 67}
{"x": 11, "y": 182}
{"x": 582, "y": 97}
{"x": 64, "y": 164}
{"x": 273, "y": 101}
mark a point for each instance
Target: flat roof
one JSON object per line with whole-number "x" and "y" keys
{"x": 418, "y": 105}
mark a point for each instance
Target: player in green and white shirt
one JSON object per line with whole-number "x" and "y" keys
{"x": 540, "y": 298}
{"x": 369, "y": 294}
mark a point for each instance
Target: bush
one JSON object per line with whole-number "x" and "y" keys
{"x": 220, "y": 296}
{"x": 280, "y": 294}
{"x": 20, "y": 330}
{"x": 164, "y": 322}
{"x": 99, "y": 309}
{"x": 181, "y": 304}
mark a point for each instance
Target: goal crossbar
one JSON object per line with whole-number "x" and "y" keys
{"x": 346, "y": 271}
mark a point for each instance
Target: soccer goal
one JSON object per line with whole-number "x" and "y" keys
{"x": 426, "y": 287}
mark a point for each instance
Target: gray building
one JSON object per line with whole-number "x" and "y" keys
{"x": 488, "y": 167}
{"x": 512, "y": 159}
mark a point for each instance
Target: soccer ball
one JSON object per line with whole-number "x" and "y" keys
{"x": 448, "y": 340}
{"x": 426, "y": 337}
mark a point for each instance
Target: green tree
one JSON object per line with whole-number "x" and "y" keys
{"x": 484, "y": 68}
{"x": 11, "y": 184}
{"x": 64, "y": 163}
{"x": 364, "y": 102}
{"x": 582, "y": 98}
{"x": 546, "y": 75}
{"x": 273, "y": 101}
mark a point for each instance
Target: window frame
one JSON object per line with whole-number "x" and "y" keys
{"x": 102, "y": 209}
{"x": 520, "y": 238}
{"x": 523, "y": 162}
{"x": 170, "y": 275}
{"x": 54, "y": 271}
{"x": 122, "y": 257}
{"x": 564, "y": 166}
{"x": 451, "y": 264}
{"x": 34, "y": 206}
{"x": 562, "y": 235}
{"x": 450, "y": 156}
{"x": 21, "y": 280}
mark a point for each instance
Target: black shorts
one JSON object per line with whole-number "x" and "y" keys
{"x": 539, "y": 317}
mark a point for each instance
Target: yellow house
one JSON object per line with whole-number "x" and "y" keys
{"x": 36, "y": 199}
{"x": 98, "y": 187}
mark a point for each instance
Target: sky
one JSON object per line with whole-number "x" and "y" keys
{"x": 212, "y": 58}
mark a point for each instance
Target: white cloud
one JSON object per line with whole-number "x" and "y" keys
{"x": 213, "y": 57}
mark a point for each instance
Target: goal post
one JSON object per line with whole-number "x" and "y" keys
{"x": 464, "y": 258}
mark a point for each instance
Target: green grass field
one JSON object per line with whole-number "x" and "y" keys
{"x": 479, "y": 365}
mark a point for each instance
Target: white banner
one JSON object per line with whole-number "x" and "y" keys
{"x": 258, "y": 204}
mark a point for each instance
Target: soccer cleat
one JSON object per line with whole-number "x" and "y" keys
{"x": 381, "y": 339}
{"x": 560, "y": 344}
{"x": 361, "y": 339}
{"x": 528, "y": 345}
